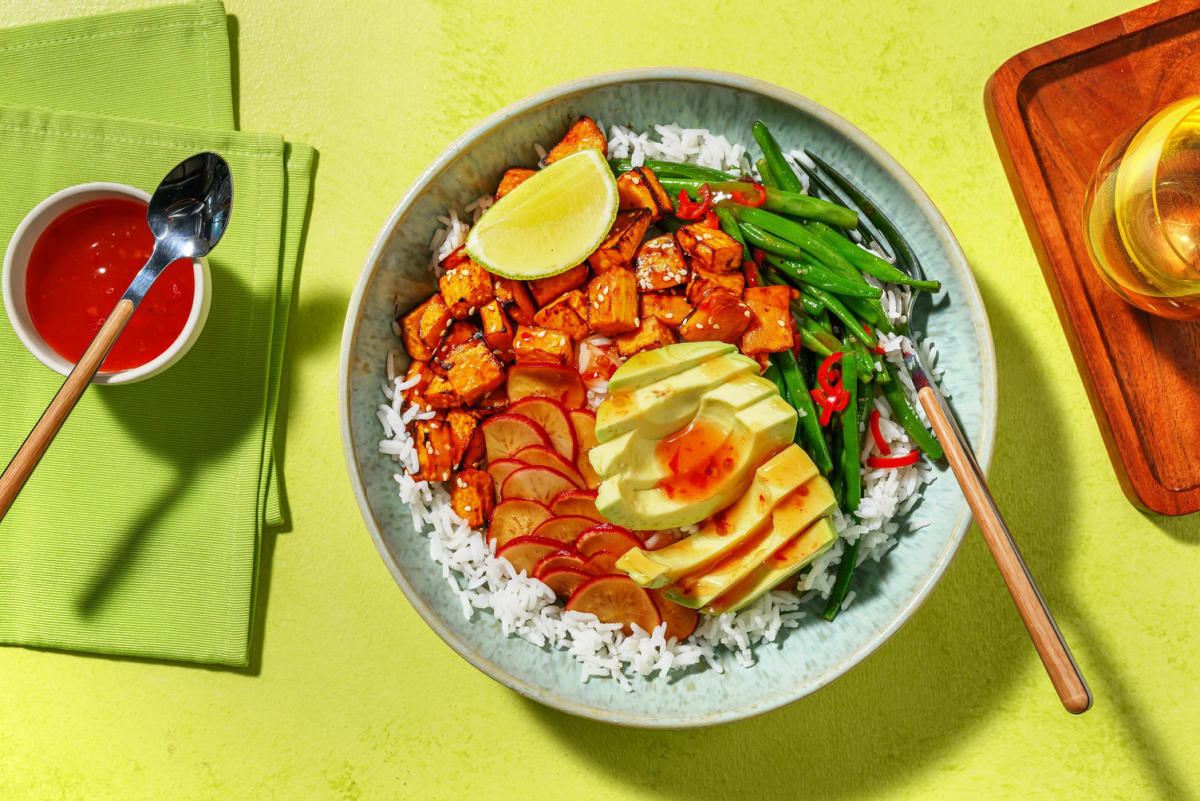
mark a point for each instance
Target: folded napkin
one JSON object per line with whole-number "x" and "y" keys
{"x": 138, "y": 534}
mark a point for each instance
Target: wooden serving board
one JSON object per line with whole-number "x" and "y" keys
{"x": 1053, "y": 110}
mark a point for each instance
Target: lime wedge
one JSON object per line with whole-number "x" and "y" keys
{"x": 551, "y": 222}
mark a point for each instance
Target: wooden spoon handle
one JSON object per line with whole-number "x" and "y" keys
{"x": 1051, "y": 647}
{"x": 39, "y": 439}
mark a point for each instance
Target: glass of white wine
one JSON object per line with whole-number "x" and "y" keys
{"x": 1141, "y": 213}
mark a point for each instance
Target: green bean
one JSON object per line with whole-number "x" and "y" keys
{"x": 773, "y": 375}
{"x": 866, "y": 365}
{"x": 765, "y": 174}
{"x": 817, "y": 275}
{"x": 795, "y": 233}
{"x": 825, "y": 337}
{"x": 849, "y": 422}
{"x": 809, "y": 428}
{"x": 777, "y": 200}
{"x": 842, "y": 583}
{"x": 807, "y": 305}
{"x": 868, "y": 262}
{"x": 730, "y": 226}
{"x": 815, "y": 343}
{"x": 903, "y": 411}
{"x": 774, "y": 157}
{"x": 864, "y": 407}
{"x": 673, "y": 169}
{"x": 841, "y": 312}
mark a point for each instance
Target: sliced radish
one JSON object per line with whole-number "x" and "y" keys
{"x": 565, "y": 528}
{"x": 502, "y": 469}
{"x": 557, "y": 559}
{"x": 539, "y": 484}
{"x": 583, "y": 421}
{"x": 548, "y": 457}
{"x": 616, "y": 599}
{"x": 552, "y": 381}
{"x": 516, "y": 518}
{"x": 577, "y": 502}
{"x": 525, "y": 552}
{"x": 505, "y": 434}
{"x": 602, "y": 563}
{"x": 680, "y": 620}
{"x": 606, "y": 537}
{"x": 564, "y": 580}
{"x": 553, "y": 417}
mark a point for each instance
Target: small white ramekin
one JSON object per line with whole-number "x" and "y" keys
{"x": 16, "y": 263}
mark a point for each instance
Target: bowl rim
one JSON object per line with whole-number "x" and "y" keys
{"x": 957, "y": 262}
{"x": 33, "y": 225}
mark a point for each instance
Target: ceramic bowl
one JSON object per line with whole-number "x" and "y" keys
{"x": 395, "y": 278}
{"x": 16, "y": 260}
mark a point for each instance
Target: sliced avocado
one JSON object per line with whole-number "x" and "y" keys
{"x": 791, "y": 517}
{"x": 635, "y": 456}
{"x": 794, "y": 555}
{"x": 760, "y": 429}
{"x": 651, "y": 365}
{"x": 772, "y": 482}
{"x": 660, "y": 408}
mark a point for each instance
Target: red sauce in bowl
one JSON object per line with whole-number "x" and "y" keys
{"x": 80, "y": 267}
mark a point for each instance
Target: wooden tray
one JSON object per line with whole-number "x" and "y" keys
{"x": 1053, "y": 110}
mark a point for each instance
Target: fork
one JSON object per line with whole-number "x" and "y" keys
{"x": 1056, "y": 657}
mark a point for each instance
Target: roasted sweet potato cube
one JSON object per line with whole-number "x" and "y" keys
{"x": 473, "y": 496}
{"x": 719, "y": 316}
{"x": 415, "y": 395}
{"x": 619, "y": 247}
{"x": 511, "y": 179}
{"x": 494, "y": 401}
{"x": 515, "y": 299}
{"x": 440, "y": 394}
{"x": 567, "y": 313}
{"x": 710, "y": 248}
{"x": 463, "y": 426}
{"x": 545, "y": 290}
{"x": 584, "y": 134}
{"x": 497, "y": 328}
{"x": 435, "y": 449}
{"x": 473, "y": 370}
{"x": 423, "y": 327}
{"x": 613, "y": 301}
{"x": 652, "y": 333}
{"x": 671, "y": 309}
{"x": 544, "y": 345}
{"x": 704, "y": 280}
{"x": 771, "y": 328}
{"x": 660, "y": 264}
{"x": 465, "y": 288}
{"x": 639, "y": 189}
{"x": 459, "y": 333}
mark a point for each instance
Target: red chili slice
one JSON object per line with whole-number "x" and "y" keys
{"x": 880, "y": 442}
{"x": 826, "y": 378}
{"x": 688, "y": 209}
{"x": 760, "y": 196}
{"x": 710, "y": 220}
{"x": 751, "y": 273}
{"x": 903, "y": 460}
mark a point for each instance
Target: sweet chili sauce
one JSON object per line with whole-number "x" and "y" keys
{"x": 698, "y": 456}
{"x": 80, "y": 267}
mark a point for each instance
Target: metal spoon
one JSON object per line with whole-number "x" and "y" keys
{"x": 188, "y": 214}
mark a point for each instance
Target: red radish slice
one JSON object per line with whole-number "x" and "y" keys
{"x": 564, "y": 529}
{"x": 602, "y": 563}
{"x": 606, "y": 537}
{"x": 680, "y": 620}
{"x": 555, "y": 560}
{"x": 539, "y": 484}
{"x": 553, "y": 417}
{"x": 577, "y": 502}
{"x": 516, "y": 518}
{"x": 616, "y": 599}
{"x": 553, "y": 381}
{"x": 505, "y": 434}
{"x": 525, "y": 552}
{"x": 583, "y": 421}
{"x": 564, "y": 580}
{"x": 502, "y": 469}
{"x": 548, "y": 457}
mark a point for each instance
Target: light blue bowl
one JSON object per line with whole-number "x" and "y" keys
{"x": 395, "y": 277}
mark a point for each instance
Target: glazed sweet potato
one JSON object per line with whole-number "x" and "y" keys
{"x": 710, "y": 248}
{"x": 440, "y": 394}
{"x": 613, "y": 299}
{"x": 671, "y": 309}
{"x": 459, "y": 333}
{"x": 719, "y": 316}
{"x": 473, "y": 370}
{"x": 545, "y": 345}
{"x": 619, "y": 247}
{"x": 435, "y": 449}
{"x": 465, "y": 286}
{"x": 415, "y": 395}
{"x": 639, "y": 189}
{"x": 659, "y": 264}
{"x": 473, "y": 496}
{"x": 511, "y": 179}
{"x": 704, "y": 280}
{"x": 771, "y": 329}
{"x": 497, "y": 330}
{"x": 514, "y": 298}
{"x": 567, "y": 313}
{"x": 652, "y": 333}
{"x": 463, "y": 426}
{"x": 584, "y": 134}
{"x": 545, "y": 290}
{"x": 423, "y": 327}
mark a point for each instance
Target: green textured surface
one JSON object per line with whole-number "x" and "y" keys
{"x": 355, "y": 698}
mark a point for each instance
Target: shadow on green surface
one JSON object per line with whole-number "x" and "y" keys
{"x": 1184, "y": 529}
{"x": 929, "y": 689}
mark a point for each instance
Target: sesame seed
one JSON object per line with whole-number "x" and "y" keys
{"x": 466, "y": 508}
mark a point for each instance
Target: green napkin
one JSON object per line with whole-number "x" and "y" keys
{"x": 139, "y": 532}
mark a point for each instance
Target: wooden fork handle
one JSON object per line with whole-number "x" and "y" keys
{"x": 39, "y": 439}
{"x": 1051, "y": 647}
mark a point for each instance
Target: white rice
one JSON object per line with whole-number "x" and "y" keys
{"x": 526, "y": 608}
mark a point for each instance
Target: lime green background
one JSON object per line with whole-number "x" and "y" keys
{"x": 352, "y": 697}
